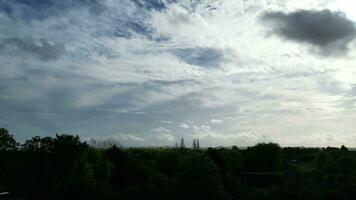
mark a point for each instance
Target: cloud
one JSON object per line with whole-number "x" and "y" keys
{"x": 165, "y": 137}
{"x": 185, "y": 126}
{"x": 353, "y": 91}
{"x": 325, "y": 139}
{"x": 163, "y": 134}
{"x": 210, "y": 137}
{"x": 39, "y": 10}
{"x": 216, "y": 121}
{"x": 111, "y": 64}
{"x": 330, "y": 31}
{"x": 41, "y": 48}
{"x": 120, "y": 139}
{"x": 157, "y": 5}
{"x": 161, "y": 130}
{"x": 131, "y": 137}
{"x": 166, "y": 122}
{"x": 201, "y": 56}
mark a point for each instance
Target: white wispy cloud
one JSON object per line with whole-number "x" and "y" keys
{"x": 216, "y": 121}
{"x": 183, "y": 125}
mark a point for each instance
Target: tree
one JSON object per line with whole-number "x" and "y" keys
{"x": 346, "y": 163}
{"x": 182, "y": 145}
{"x": 39, "y": 144}
{"x": 200, "y": 178}
{"x": 324, "y": 161}
{"x": 344, "y": 149}
{"x": 7, "y": 141}
{"x": 264, "y": 157}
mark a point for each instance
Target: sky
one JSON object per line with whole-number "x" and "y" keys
{"x": 150, "y": 72}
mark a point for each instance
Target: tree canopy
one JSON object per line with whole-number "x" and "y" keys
{"x": 63, "y": 166}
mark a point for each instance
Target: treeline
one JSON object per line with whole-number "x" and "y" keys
{"x": 63, "y": 167}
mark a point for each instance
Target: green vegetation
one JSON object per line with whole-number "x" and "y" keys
{"x": 64, "y": 167}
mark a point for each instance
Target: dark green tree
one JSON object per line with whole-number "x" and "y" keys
{"x": 200, "y": 178}
{"x": 324, "y": 161}
{"x": 7, "y": 141}
{"x": 344, "y": 149}
{"x": 264, "y": 157}
{"x": 38, "y": 144}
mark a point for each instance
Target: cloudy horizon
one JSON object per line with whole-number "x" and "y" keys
{"x": 150, "y": 72}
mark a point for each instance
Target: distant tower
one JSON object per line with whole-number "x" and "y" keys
{"x": 182, "y": 145}
{"x": 176, "y": 145}
{"x": 198, "y": 146}
{"x": 194, "y": 144}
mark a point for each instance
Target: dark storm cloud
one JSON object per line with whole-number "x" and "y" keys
{"x": 330, "y": 31}
{"x": 201, "y": 56}
{"x": 41, "y": 48}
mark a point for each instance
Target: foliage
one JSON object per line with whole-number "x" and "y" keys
{"x": 65, "y": 167}
{"x": 7, "y": 141}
